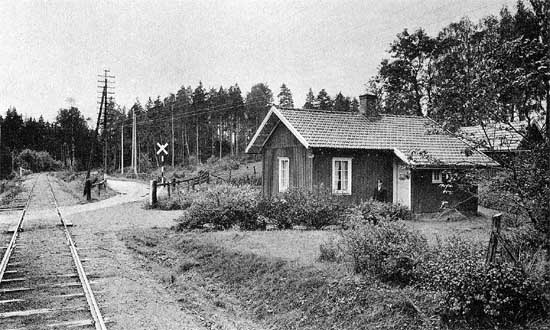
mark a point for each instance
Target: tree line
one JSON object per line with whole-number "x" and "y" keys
{"x": 205, "y": 123}
{"x": 66, "y": 139}
{"x": 497, "y": 69}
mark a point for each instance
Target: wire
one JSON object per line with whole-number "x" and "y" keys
{"x": 222, "y": 108}
{"x": 201, "y": 112}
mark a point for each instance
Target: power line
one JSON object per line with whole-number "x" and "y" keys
{"x": 201, "y": 112}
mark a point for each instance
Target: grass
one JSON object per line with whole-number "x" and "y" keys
{"x": 275, "y": 278}
{"x": 299, "y": 247}
{"x": 9, "y": 189}
{"x": 74, "y": 184}
{"x": 277, "y": 292}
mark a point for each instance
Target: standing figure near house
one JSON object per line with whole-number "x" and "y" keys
{"x": 380, "y": 193}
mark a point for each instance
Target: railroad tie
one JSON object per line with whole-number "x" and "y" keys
{"x": 31, "y": 312}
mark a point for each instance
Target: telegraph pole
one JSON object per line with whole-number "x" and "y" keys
{"x": 107, "y": 89}
{"x": 134, "y": 143}
{"x": 122, "y": 149}
{"x": 172, "y": 114}
{"x": 0, "y": 149}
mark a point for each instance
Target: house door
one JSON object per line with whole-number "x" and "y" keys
{"x": 401, "y": 184}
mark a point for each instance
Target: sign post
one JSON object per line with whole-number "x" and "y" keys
{"x": 162, "y": 152}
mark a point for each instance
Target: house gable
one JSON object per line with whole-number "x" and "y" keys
{"x": 280, "y": 144}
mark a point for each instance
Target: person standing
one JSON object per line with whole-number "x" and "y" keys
{"x": 380, "y": 193}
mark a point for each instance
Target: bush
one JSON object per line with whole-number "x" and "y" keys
{"x": 300, "y": 207}
{"x": 374, "y": 211}
{"x": 449, "y": 259}
{"x": 223, "y": 206}
{"x": 37, "y": 161}
{"x": 498, "y": 294}
{"x": 330, "y": 250}
{"x": 388, "y": 250}
{"x": 472, "y": 293}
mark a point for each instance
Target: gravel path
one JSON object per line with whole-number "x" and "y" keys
{"x": 128, "y": 293}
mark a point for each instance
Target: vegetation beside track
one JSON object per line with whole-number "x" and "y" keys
{"x": 276, "y": 292}
{"x": 278, "y": 279}
{"x": 73, "y": 183}
{"x": 9, "y": 189}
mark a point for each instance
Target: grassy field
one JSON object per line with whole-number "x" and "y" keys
{"x": 274, "y": 279}
{"x": 273, "y": 287}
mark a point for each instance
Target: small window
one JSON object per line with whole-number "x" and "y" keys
{"x": 283, "y": 173}
{"x": 436, "y": 176}
{"x": 341, "y": 176}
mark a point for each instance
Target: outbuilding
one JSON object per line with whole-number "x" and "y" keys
{"x": 348, "y": 152}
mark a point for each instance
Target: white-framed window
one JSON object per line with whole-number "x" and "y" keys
{"x": 284, "y": 167}
{"x": 437, "y": 176}
{"x": 341, "y": 176}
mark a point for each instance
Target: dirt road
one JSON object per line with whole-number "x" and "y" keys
{"x": 129, "y": 295}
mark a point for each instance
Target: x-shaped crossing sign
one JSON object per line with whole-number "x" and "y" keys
{"x": 162, "y": 148}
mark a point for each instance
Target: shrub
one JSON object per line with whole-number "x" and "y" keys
{"x": 472, "y": 293}
{"x": 387, "y": 250}
{"x": 300, "y": 207}
{"x": 374, "y": 211}
{"x": 498, "y": 294}
{"x": 449, "y": 259}
{"x": 37, "y": 161}
{"x": 330, "y": 250}
{"x": 223, "y": 206}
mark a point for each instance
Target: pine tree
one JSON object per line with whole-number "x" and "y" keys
{"x": 285, "y": 97}
{"x": 341, "y": 103}
{"x": 323, "y": 100}
{"x": 310, "y": 100}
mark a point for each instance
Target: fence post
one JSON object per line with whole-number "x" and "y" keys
{"x": 493, "y": 240}
{"x": 153, "y": 193}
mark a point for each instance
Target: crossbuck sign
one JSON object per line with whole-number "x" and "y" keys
{"x": 162, "y": 149}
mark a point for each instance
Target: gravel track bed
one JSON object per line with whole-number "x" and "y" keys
{"x": 128, "y": 293}
{"x": 42, "y": 265}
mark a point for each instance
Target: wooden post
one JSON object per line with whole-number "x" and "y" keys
{"x": 493, "y": 240}
{"x": 153, "y": 193}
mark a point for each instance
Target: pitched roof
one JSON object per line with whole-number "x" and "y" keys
{"x": 417, "y": 140}
{"x": 497, "y": 136}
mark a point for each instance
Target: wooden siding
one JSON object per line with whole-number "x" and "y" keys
{"x": 427, "y": 196}
{"x": 366, "y": 168}
{"x": 282, "y": 143}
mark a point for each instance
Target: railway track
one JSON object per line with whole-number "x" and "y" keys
{"x": 43, "y": 284}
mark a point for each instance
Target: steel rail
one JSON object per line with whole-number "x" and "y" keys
{"x": 99, "y": 323}
{"x": 11, "y": 245}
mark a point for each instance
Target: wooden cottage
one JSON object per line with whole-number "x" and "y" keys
{"x": 348, "y": 152}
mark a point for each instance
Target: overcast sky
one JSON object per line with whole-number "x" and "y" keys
{"x": 53, "y": 50}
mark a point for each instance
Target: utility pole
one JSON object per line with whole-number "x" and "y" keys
{"x": 106, "y": 97}
{"x": 134, "y": 142}
{"x": 122, "y": 149}
{"x": 197, "y": 138}
{"x": 172, "y": 113}
{"x": 0, "y": 149}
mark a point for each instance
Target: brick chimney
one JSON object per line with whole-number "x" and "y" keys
{"x": 367, "y": 105}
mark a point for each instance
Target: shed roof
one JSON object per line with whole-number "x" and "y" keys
{"x": 417, "y": 140}
{"x": 497, "y": 136}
